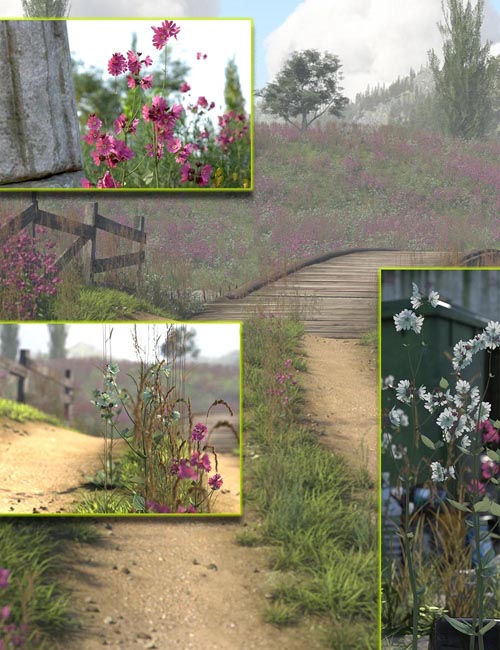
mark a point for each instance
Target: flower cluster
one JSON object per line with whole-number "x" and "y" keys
{"x": 11, "y": 635}
{"x": 284, "y": 383}
{"x": 232, "y": 127}
{"x": 29, "y": 277}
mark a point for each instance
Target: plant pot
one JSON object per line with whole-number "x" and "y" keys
{"x": 445, "y": 637}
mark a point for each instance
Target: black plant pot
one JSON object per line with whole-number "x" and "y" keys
{"x": 445, "y": 637}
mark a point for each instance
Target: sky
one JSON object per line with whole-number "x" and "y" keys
{"x": 376, "y": 40}
{"x": 213, "y": 340}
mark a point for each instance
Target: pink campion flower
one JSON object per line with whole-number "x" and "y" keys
{"x": 104, "y": 144}
{"x": 148, "y": 61}
{"x": 190, "y": 508}
{"x": 119, "y": 153}
{"x": 107, "y": 181}
{"x": 212, "y": 105}
{"x": 117, "y": 64}
{"x": 490, "y": 434}
{"x": 203, "y": 176}
{"x": 187, "y": 173}
{"x": 184, "y": 154}
{"x": 476, "y": 487}
{"x": 173, "y": 145}
{"x": 185, "y": 87}
{"x": 202, "y": 102}
{"x": 186, "y": 471}
{"x": 122, "y": 124}
{"x": 86, "y": 183}
{"x": 4, "y": 613}
{"x": 131, "y": 81}
{"x": 147, "y": 81}
{"x": 199, "y": 56}
{"x": 489, "y": 469}
{"x": 133, "y": 62}
{"x": 150, "y": 150}
{"x": 93, "y": 122}
{"x": 215, "y": 481}
{"x": 4, "y": 573}
{"x": 199, "y": 432}
{"x": 161, "y": 34}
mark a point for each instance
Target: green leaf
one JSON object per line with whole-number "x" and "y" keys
{"x": 496, "y": 424}
{"x": 487, "y": 627}
{"x": 127, "y": 433}
{"x": 493, "y": 455}
{"x": 461, "y": 626}
{"x": 139, "y": 502}
{"x": 427, "y": 442}
{"x": 444, "y": 383}
{"x": 483, "y": 506}
{"x": 459, "y": 506}
{"x": 495, "y": 509}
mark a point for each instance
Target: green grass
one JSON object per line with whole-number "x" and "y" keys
{"x": 313, "y": 509}
{"x": 99, "y": 304}
{"x": 36, "y": 553}
{"x": 25, "y": 413}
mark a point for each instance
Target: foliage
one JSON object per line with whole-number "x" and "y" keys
{"x": 233, "y": 96}
{"x": 181, "y": 343}
{"x": 57, "y": 343}
{"x": 314, "y": 512}
{"x": 9, "y": 341}
{"x": 464, "y": 84}
{"x": 307, "y": 87}
{"x": 45, "y": 8}
{"x": 25, "y": 413}
{"x": 29, "y": 278}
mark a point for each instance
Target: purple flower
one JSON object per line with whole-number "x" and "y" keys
{"x": 4, "y": 578}
{"x": 215, "y": 481}
{"x": 186, "y": 471}
{"x": 4, "y": 613}
{"x": 199, "y": 432}
{"x": 154, "y": 506}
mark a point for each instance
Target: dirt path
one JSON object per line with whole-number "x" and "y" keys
{"x": 43, "y": 466}
{"x": 342, "y": 397}
{"x": 186, "y": 584}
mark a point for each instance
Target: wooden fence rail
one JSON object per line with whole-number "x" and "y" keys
{"x": 86, "y": 233}
{"x": 22, "y": 369}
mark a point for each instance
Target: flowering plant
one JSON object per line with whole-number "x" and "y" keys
{"x": 464, "y": 457}
{"x": 11, "y": 635}
{"x": 154, "y": 143}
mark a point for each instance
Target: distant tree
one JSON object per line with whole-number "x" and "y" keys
{"x": 232, "y": 90}
{"x": 58, "y": 335}
{"x": 307, "y": 87}
{"x": 464, "y": 84}
{"x": 9, "y": 341}
{"x": 46, "y": 8}
{"x": 180, "y": 342}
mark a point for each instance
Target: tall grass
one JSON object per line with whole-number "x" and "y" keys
{"x": 314, "y": 510}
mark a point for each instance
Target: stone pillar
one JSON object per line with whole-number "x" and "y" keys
{"x": 39, "y": 135}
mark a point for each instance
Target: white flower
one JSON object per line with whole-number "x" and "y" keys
{"x": 478, "y": 343}
{"x": 462, "y": 387}
{"x": 465, "y": 442}
{"x": 462, "y": 355}
{"x": 388, "y": 382}
{"x": 433, "y": 298}
{"x": 403, "y": 393}
{"x": 416, "y": 298}
{"x": 464, "y": 425}
{"x": 408, "y": 320}
{"x": 386, "y": 441}
{"x": 397, "y": 454}
{"x": 484, "y": 411}
{"x": 398, "y": 417}
{"x": 446, "y": 419}
{"x": 492, "y": 335}
{"x": 440, "y": 473}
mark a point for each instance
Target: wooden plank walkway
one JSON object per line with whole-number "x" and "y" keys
{"x": 334, "y": 299}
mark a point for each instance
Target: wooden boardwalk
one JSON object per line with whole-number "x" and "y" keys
{"x": 336, "y": 298}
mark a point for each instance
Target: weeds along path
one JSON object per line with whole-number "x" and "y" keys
{"x": 42, "y": 466}
{"x": 341, "y": 393}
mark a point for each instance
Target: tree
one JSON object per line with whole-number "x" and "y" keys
{"x": 306, "y": 87}
{"x": 464, "y": 85}
{"x": 232, "y": 90}
{"x": 46, "y": 8}
{"x": 9, "y": 341}
{"x": 180, "y": 343}
{"x": 58, "y": 335}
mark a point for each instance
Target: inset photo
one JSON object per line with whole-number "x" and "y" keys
{"x": 120, "y": 419}
{"x": 440, "y": 440}
{"x": 126, "y": 104}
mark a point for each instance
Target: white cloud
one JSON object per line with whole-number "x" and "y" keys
{"x": 376, "y": 40}
{"x": 124, "y": 8}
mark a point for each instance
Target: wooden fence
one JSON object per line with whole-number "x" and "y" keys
{"x": 25, "y": 366}
{"x": 86, "y": 234}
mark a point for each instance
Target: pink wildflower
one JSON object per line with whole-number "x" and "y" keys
{"x": 215, "y": 481}
{"x": 202, "y": 102}
{"x": 117, "y": 64}
{"x": 185, "y": 87}
{"x": 161, "y": 34}
{"x": 107, "y": 181}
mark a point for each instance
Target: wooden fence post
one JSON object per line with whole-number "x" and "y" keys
{"x": 89, "y": 256}
{"x": 24, "y": 357}
{"x": 68, "y": 395}
{"x": 141, "y": 249}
